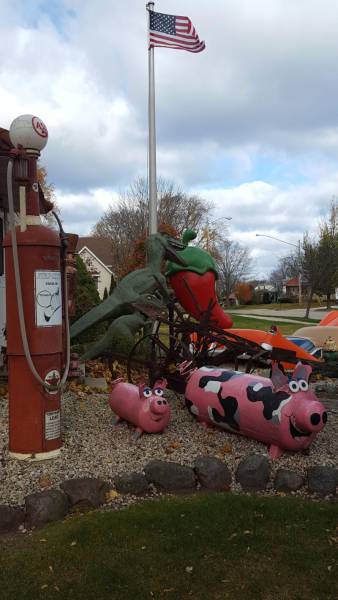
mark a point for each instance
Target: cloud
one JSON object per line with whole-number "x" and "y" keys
{"x": 250, "y": 123}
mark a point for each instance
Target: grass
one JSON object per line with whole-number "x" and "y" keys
{"x": 202, "y": 547}
{"x": 248, "y": 323}
{"x": 275, "y": 306}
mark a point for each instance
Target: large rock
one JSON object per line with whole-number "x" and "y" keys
{"x": 10, "y": 518}
{"x": 322, "y": 480}
{"x": 45, "y": 507}
{"x": 288, "y": 481}
{"x": 170, "y": 476}
{"x": 253, "y": 473}
{"x": 85, "y": 492}
{"x": 131, "y": 483}
{"x": 212, "y": 473}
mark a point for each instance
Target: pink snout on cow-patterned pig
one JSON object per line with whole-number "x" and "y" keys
{"x": 143, "y": 406}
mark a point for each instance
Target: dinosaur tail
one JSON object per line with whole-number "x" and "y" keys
{"x": 99, "y": 313}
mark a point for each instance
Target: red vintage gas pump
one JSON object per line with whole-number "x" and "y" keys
{"x": 34, "y": 298}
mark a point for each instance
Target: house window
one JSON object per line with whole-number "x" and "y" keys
{"x": 96, "y": 281}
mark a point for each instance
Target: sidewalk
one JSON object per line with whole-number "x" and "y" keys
{"x": 315, "y": 313}
{"x": 277, "y": 318}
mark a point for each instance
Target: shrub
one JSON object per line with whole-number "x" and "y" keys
{"x": 86, "y": 297}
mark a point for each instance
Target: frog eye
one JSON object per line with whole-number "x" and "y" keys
{"x": 158, "y": 392}
{"x": 303, "y": 385}
{"x": 147, "y": 392}
{"x": 294, "y": 387}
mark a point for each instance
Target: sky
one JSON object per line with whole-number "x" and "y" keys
{"x": 250, "y": 124}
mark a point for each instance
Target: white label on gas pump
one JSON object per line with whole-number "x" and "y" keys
{"x": 48, "y": 298}
{"x": 52, "y": 425}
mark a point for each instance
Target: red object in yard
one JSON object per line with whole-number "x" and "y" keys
{"x": 34, "y": 411}
{"x": 196, "y": 293}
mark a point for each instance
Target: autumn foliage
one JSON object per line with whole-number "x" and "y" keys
{"x": 244, "y": 292}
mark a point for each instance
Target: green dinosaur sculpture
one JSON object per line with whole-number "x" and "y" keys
{"x": 129, "y": 302}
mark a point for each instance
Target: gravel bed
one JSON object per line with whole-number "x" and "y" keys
{"x": 93, "y": 447}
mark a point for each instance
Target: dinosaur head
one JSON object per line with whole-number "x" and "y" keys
{"x": 166, "y": 246}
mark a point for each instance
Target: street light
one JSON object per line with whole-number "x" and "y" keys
{"x": 295, "y": 246}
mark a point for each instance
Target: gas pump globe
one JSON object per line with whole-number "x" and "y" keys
{"x": 29, "y": 132}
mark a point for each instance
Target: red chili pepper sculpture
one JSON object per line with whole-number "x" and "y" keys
{"x": 194, "y": 284}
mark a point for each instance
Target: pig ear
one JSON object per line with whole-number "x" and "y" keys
{"x": 302, "y": 372}
{"x": 278, "y": 378}
{"x": 160, "y": 383}
{"x": 116, "y": 381}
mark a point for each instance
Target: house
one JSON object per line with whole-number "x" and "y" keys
{"x": 291, "y": 287}
{"x": 96, "y": 253}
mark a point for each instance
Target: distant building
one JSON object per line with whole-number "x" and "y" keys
{"x": 96, "y": 254}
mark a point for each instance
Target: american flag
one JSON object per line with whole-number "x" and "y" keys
{"x": 170, "y": 31}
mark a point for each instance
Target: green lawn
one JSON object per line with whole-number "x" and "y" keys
{"x": 248, "y": 323}
{"x": 275, "y": 306}
{"x": 202, "y": 547}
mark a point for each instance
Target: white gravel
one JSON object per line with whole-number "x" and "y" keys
{"x": 93, "y": 447}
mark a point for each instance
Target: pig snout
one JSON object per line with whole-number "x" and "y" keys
{"x": 159, "y": 406}
{"x": 313, "y": 418}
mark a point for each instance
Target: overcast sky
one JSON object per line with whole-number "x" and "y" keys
{"x": 251, "y": 123}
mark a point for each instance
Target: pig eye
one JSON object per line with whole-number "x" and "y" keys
{"x": 158, "y": 392}
{"x": 303, "y": 385}
{"x": 294, "y": 387}
{"x": 147, "y": 392}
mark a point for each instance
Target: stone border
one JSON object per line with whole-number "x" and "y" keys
{"x": 208, "y": 473}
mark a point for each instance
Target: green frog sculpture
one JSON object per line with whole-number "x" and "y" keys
{"x": 137, "y": 294}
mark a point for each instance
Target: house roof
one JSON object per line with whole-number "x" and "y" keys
{"x": 101, "y": 247}
{"x": 292, "y": 282}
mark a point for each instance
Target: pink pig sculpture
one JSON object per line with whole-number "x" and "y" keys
{"x": 143, "y": 406}
{"x": 284, "y": 414}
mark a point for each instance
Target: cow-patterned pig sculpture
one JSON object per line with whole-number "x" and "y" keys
{"x": 141, "y": 405}
{"x": 284, "y": 414}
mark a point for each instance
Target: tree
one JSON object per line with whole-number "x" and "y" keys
{"x": 86, "y": 297}
{"x": 328, "y": 252}
{"x": 234, "y": 265}
{"x": 288, "y": 267}
{"x": 47, "y": 188}
{"x": 112, "y": 284}
{"x": 244, "y": 292}
{"x": 126, "y": 222}
{"x": 311, "y": 268}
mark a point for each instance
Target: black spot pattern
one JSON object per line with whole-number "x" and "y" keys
{"x": 230, "y": 407}
{"x": 225, "y": 376}
{"x": 271, "y": 400}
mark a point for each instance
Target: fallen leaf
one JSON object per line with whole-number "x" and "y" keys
{"x": 111, "y": 495}
{"x": 227, "y": 449}
{"x": 45, "y": 481}
{"x": 189, "y": 569}
{"x": 73, "y": 544}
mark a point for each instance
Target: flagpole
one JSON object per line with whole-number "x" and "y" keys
{"x": 152, "y": 185}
